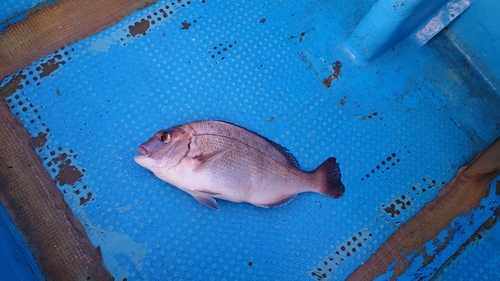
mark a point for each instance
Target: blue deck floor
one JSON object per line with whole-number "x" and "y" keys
{"x": 400, "y": 127}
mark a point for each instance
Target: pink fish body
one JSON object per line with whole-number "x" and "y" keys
{"x": 215, "y": 159}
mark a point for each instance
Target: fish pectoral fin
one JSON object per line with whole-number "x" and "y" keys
{"x": 205, "y": 199}
{"x": 205, "y": 160}
{"x": 279, "y": 202}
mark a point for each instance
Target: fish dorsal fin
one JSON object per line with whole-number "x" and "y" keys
{"x": 283, "y": 150}
{"x": 204, "y": 160}
{"x": 205, "y": 199}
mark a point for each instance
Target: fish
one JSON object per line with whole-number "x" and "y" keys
{"x": 212, "y": 159}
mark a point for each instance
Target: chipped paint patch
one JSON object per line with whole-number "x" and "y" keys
{"x": 133, "y": 29}
{"x": 424, "y": 263}
{"x": 68, "y": 174}
{"x": 139, "y": 27}
{"x": 336, "y": 66}
{"x": 14, "y": 84}
{"x": 51, "y": 65}
{"x": 388, "y": 274}
{"x": 102, "y": 44}
{"x": 39, "y": 141}
{"x": 185, "y": 25}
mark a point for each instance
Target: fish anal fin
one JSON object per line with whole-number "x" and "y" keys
{"x": 209, "y": 193}
{"x": 204, "y": 160}
{"x": 280, "y": 202}
{"x": 205, "y": 200}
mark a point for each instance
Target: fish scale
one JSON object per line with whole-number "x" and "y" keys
{"x": 232, "y": 132}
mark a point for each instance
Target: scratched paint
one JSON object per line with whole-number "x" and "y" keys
{"x": 130, "y": 30}
{"x": 423, "y": 265}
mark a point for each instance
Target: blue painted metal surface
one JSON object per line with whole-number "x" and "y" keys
{"x": 17, "y": 263}
{"x": 281, "y": 69}
{"x": 477, "y": 36}
{"x": 438, "y": 20}
{"x": 389, "y": 21}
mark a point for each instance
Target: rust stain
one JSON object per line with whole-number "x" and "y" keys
{"x": 185, "y": 25}
{"x": 369, "y": 116}
{"x": 59, "y": 158}
{"x": 163, "y": 13}
{"x": 39, "y": 141}
{"x": 13, "y": 85}
{"x": 85, "y": 200}
{"x": 50, "y": 66}
{"x": 301, "y": 36}
{"x": 343, "y": 101}
{"x": 327, "y": 82}
{"x": 68, "y": 174}
{"x": 139, "y": 27}
{"x": 392, "y": 210}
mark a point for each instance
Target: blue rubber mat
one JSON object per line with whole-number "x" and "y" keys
{"x": 400, "y": 128}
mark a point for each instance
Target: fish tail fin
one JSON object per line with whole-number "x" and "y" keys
{"x": 329, "y": 177}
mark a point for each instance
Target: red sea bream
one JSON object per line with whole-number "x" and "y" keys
{"x": 215, "y": 159}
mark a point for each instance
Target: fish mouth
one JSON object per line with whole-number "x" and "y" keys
{"x": 143, "y": 151}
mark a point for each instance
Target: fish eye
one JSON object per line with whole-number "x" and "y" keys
{"x": 165, "y": 136}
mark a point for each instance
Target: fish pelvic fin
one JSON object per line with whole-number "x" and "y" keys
{"x": 329, "y": 177}
{"x": 205, "y": 199}
{"x": 204, "y": 160}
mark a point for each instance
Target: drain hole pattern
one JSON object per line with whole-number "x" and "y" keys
{"x": 218, "y": 51}
{"x": 60, "y": 163}
{"x": 385, "y": 165}
{"x": 343, "y": 252}
{"x": 402, "y": 203}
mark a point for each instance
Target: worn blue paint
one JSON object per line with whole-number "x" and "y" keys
{"x": 480, "y": 260}
{"x": 448, "y": 241}
{"x": 10, "y": 21}
{"x": 388, "y": 274}
{"x": 439, "y": 19}
{"x": 12, "y": 11}
{"x": 477, "y": 36}
{"x": 407, "y": 118}
{"x": 17, "y": 263}
{"x": 390, "y": 21}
